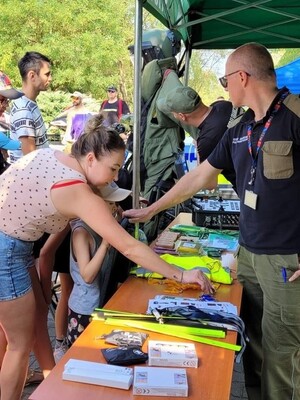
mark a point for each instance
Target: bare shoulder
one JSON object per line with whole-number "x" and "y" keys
{"x": 70, "y": 199}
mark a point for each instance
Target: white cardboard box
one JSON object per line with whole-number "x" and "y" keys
{"x": 98, "y": 374}
{"x": 155, "y": 381}
{"x": 172, "y": 354}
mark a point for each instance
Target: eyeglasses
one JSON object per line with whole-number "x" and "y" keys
{"x": 224, "y": 80}
{"x": 111, "y": 91}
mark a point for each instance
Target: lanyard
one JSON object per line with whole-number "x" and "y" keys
{"x": 262, "y": 135}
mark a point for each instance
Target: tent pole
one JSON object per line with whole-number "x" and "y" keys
{"x": 187, "y": 66}
{"x": 137, "y": 102}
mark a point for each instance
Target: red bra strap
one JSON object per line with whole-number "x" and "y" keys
{"x": 59, "y": 185}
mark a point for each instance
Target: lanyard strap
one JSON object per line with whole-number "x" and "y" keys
{"x": 262, "y": 135}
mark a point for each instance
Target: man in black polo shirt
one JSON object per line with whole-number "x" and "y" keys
{"x": 207, "y": 123}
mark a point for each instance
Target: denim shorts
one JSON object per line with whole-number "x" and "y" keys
{"x": 15, "y": 259}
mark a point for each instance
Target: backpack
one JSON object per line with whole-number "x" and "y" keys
{"x": 115, "y": 269}
{"x": 120, "y": 107}
{"x": 144, "y": 113}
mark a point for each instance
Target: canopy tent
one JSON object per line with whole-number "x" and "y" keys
{"x": 226, "y": 24}
{"x": 213, "y": 24}
{"x": 289, "y": 75}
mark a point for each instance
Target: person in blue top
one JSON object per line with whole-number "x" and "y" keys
{"x": 7, "y": 93}
{"x": 6, "y": 144}
{"x": 264, "y": 150}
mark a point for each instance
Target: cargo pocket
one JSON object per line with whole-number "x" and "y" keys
{"x": 290, "y": 330}
{"x": 278, "y": 159}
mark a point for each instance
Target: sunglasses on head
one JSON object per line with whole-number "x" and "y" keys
{"x": 224, "y": 80}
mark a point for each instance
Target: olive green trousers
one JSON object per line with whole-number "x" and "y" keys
{"x": 271, "y": 312}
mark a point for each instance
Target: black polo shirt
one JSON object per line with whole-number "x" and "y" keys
{"x": 211, "y": 130}
{"x": 273, "y": 227}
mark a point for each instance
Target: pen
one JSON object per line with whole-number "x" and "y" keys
{"x": 283, "y": 273}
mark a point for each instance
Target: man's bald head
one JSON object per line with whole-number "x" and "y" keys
{"x": 255, "y": 59}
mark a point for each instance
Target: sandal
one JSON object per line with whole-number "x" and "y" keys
{"x": 33, "y": 377}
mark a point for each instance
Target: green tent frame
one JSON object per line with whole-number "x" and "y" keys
{"x": 226, "y": 24}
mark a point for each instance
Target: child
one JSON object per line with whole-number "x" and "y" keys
{"x": 87, "y": 255}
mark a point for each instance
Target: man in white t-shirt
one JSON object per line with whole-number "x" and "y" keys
{"x": 77, "y": 107}
{"x": 27, "y": 124}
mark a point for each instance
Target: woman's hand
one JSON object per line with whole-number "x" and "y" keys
{"x": 197, "y": 276}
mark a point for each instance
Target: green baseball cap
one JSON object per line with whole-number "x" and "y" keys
{"x": 182, "y": 99}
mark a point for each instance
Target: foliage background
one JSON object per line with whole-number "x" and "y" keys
{"x": 88, "y": 40}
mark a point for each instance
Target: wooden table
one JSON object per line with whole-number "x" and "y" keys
{"x": 210, "y": 381}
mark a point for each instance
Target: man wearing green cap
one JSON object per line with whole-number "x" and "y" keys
{"x": 209, "y": 122}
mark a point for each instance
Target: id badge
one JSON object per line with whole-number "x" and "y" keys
{"x": 250, "y": 199}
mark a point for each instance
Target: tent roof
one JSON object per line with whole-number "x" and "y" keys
{"x": 226, "y": 24}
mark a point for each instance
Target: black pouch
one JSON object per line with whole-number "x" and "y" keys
{"x": 3, "y": 164}
{"x": 124, "y": 355}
